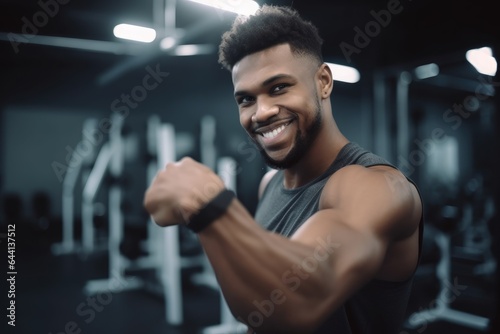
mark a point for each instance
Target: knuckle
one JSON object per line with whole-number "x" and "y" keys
{"x": 169, "y": 165}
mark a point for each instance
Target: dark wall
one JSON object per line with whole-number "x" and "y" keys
{"x": 35, "y": 139}
{"x": 450, "y": 144}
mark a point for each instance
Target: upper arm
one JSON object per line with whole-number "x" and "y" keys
{"x": 377, "y": 200}
{"x": 362, "y": 211}
{"x": 265, "y": 180}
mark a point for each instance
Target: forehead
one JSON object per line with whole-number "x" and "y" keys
{"x": 257, "y": 67}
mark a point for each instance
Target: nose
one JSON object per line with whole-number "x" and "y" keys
{"x": 264, "y": 111}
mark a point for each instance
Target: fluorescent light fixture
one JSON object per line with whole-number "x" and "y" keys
{"x": 482, "y": 59}
{"x": 344, "y": 73}
{"x": 135, "y": 33}
{"x": 193, "y": 49}
{"x": 242, "y": 7}
{"x": 427, "y": 71}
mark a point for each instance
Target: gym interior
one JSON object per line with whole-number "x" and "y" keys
{"x": 88, "y": 115}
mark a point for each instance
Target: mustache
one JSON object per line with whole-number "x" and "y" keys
{"x": 270, "y": 121}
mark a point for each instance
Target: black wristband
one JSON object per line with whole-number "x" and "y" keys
{"x": 211, "y": 211}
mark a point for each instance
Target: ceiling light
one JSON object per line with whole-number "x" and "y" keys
{"x": 482, "y": 59}
{"x": 193, "y": 49}
{"x": 168, "y": 43}
{"x": 243, "y": 7}
{"x": 135, "y": 33}
{"x": 427, "y": 71}
{"x": 344, "y": 73}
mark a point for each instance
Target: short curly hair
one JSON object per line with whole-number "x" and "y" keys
{"x": 270, "y": 26}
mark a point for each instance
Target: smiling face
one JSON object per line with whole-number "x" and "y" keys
{"x": 279, "y": 104}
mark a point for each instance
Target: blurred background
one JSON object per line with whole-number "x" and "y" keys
{"x": 95, "y": 95}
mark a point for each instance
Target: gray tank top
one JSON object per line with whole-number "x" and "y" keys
{"x": 380, "y": 306}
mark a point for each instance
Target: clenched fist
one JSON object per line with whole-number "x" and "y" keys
{"x": 181, "y": 190}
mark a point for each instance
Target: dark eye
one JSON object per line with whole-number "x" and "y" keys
{"x": 279, "y": 88}
{"x": 245, "y": 100}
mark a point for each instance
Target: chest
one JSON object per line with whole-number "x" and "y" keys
{"x": 283, "y": 211}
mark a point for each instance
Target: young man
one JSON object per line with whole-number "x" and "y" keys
{"x": 336, "y": 236}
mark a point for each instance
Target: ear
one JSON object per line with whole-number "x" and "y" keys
{"x": 325, "y": 81}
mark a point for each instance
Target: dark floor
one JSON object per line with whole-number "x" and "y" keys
{"x": 50, "y": 299}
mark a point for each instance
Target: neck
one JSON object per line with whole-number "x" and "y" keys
{"x": 320, "y": 156}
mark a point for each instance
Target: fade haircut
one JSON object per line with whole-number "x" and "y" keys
{"x": 270, "y": 26}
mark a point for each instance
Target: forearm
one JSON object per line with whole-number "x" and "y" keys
{"x": 284, "y": 281}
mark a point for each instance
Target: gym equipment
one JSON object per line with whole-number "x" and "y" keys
{"x": 161, "y": 250}
{"x": 170, "y": 272}
{"x": 162, "y": 247}
{"x": 227, "y": 171}
{"x": 442, "y": 309}
{"x": 164, "y": 243}
{"x": 68, "y": 245}
{"x": 208, "y": 157}
{"x": 110, "y": 159}
{"x": 90, "y": 190}
{"x": 395, "y": 83}
{"x": 477, "y": 240}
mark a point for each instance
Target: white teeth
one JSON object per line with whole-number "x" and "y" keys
{"x": 274, "y": 133}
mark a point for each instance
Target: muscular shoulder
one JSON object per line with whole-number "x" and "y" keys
{"x": 265, "y": 181}
{"x": 379, "y": 198}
